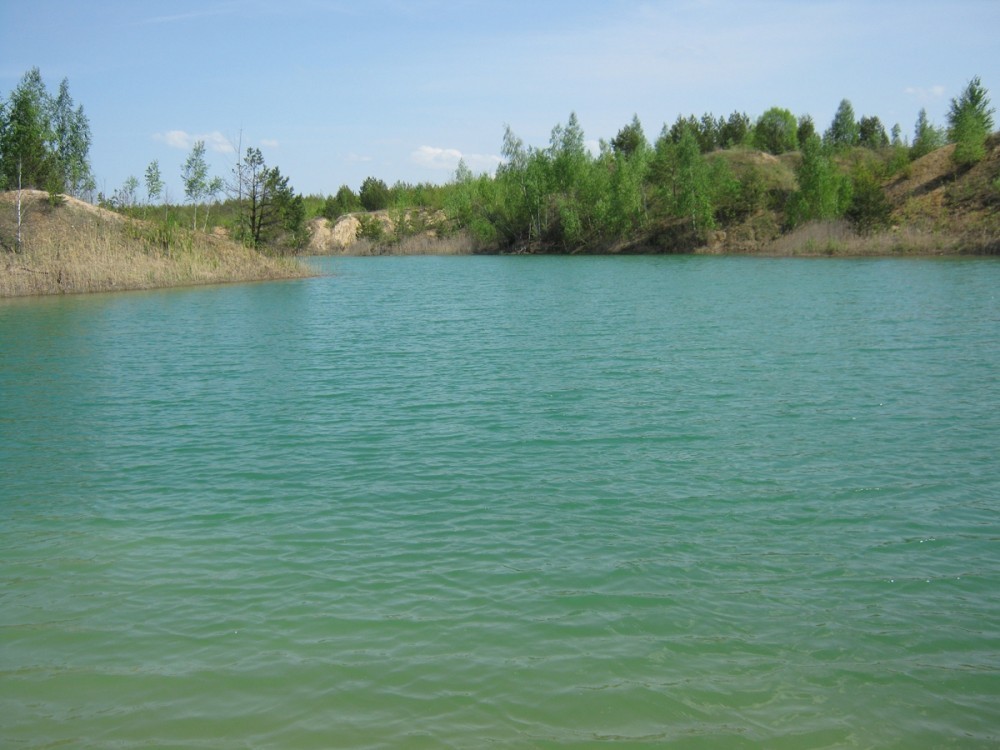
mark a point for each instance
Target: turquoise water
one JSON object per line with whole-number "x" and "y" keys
{"x": 507, "y": 502}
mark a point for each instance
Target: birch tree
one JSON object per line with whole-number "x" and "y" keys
{"x": 194, "y": 173}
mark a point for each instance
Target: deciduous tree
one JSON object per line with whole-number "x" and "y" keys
{"x": 806, "y": 128}
{"x": 194, "y": 174}
{"x": 71, "y": 134}
{"x": 776, "y": 131}
{"x": 843, "y": 131}
{"x": 26, "y": 138}
{"x": 154, "y": 181}
{"x": 683, "y": 180}
{"x": 823, "y": 193}
{"x": 871, "y": 133}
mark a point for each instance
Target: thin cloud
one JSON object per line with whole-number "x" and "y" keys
{"x": 181, "y": 139}
{"x": 189, "y": 16}
{"x": 434, "y": 157}
{"x": 925, "y": 94}
{"x": 269, "y": 143}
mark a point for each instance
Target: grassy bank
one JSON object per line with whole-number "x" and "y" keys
{"x": 69, "y": 247}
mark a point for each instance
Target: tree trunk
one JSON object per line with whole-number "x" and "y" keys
{"x": 17, "y": 242}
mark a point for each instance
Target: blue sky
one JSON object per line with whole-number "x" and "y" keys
{"x": 333, "y": 92}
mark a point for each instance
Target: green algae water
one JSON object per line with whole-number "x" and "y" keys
{"x": 507, "y": 502}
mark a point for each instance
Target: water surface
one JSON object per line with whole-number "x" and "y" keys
{"x": 507, "y": 502}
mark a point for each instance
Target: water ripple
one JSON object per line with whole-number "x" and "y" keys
{"x": 519, "y": 502}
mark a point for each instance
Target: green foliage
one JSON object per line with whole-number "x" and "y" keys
{"x": 898, "y": 161}
{"x": 374, "y": 194}
{"x": 970, "y": 121}
{"x": 735, "y": 130}
{"x": 871, "y": 133}
{"x": 897, "y": 135}
{"x": 194, "y": 174}
{"x": 707, "y": 131}
{"x": 44, "y": 141}
{"x": 926, "y": 137}
{"x": 776, "y": 131}
{"x": 568, "y": 164}
{"x": 344, "y": 202}
{"x": 753, "y": 193}
{"x": 473, "y": 203}
{"x": 630, "y": 139}
{"x": 844, "y": 131}
{"x": 970, "y": 142}
{"x": 806, "y": 129}
{"x": 154, "y": 181}
{"x": 621, "y": 199}
{"x": 71, "y": 132}
{"x": 823, "y": 193}
{"x": 681, "y": 126}
{"x": 270, "y": 214}
{"x": 681, "y": 177}
{"x": 523, "y": 186}
{"x": 563, "y": 198}
{"x": 26, "y": 137}
{"x": 974, "y": 102}
{"x": 371, "y": 228}
{"x": 126, "y": 196}
{"x": 161, "y": 236}
{"x": 869, "y": 209}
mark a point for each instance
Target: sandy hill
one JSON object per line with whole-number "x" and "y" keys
{"x": 68, "y": 246}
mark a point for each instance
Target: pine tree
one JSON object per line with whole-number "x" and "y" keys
{"x": 970, "y": 121}
{"x": 844, "y": 131}
{"x": 926, "y": 137}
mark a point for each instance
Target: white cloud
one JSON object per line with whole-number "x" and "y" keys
{"x": 269, "y": 143}
{"x": 434, "y": 157}
{"x": 353, "y": 158}
{"x": 925, "y": 94}
{"x": 181, "y": 139}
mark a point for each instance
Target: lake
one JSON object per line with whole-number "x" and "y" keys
{"x": 509, "y": 502}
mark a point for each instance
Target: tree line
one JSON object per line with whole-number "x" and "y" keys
{"x": 44, "y": 139}
{"x": 260, "y": 207}
{"x": 670, "y": 193}
{"x": 45, "y": 144}
{"x": 674, "y": 192}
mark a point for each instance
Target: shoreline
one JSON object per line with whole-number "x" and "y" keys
{"x": 71, "y": 247}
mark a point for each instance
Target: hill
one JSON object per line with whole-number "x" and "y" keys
{"x": 935, "y": 208}
{"x": 69, "y": 246}
{"x": 932, "y": 208}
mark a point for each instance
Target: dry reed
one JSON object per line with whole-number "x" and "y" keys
{"x": 74, "y": 248}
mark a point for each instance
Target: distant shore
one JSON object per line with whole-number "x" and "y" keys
{"x": 813, "y": 240}
{"x": 931, "y": 208}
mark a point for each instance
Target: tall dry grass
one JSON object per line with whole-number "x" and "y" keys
{"x": 74, "y": 248}
{"x": 838, "y": 238}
